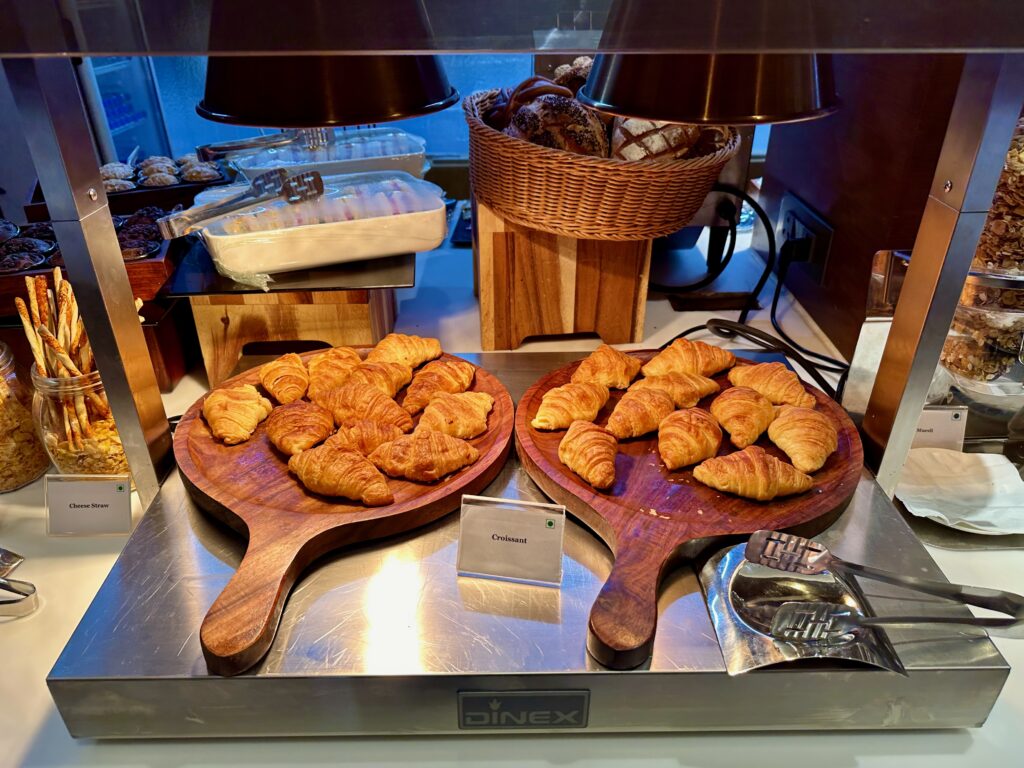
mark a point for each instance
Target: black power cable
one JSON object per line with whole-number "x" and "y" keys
{"x": 730, "y": 213}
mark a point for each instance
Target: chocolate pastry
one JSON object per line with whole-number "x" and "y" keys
{"x": 18, "y": 262}
{"x": 25, "y": 245}
{"x": 40, "y": 231}
{"x": 138, "y": 249}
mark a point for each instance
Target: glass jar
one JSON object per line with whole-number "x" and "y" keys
{"x": 73, "y": 418}
{"x": 22, "y": 458}
{"x": 1001, "y": 245}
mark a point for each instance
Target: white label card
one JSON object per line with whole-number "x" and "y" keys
{"x": 88, "y": 505}
{"x": 512, "y": 540}
{"x": 941, "y": 426}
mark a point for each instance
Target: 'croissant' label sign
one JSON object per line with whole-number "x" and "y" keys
{"x": 523, "y": 709}
{"x": 511, "y": 539}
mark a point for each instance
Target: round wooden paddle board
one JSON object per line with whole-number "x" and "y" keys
{"x": 248, "y": 486}
{"x": 652, "y": 517}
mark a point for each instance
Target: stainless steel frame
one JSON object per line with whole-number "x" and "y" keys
{"x": 383, "y": 638}
{"x": 56, "y": 127}
{"x": 985, "y": 111}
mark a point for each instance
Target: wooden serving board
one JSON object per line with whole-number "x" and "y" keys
{"x": 652, "y": 518}
{"x": 248, "y": 486}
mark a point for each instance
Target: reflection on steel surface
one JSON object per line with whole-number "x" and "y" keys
{"x": 743, "y": 599}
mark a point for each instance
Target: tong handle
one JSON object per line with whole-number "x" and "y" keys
{"x": 210, "y": 152}
{"x": 981, "y": 597}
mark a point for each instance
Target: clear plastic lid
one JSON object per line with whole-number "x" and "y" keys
{"x": 349, "y": 145}
{"x": 347, "y": 197}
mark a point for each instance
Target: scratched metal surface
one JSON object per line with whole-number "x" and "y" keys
{"x": 398, "y": 608}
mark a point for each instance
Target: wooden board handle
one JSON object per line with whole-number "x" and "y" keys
{"x": 624, "y": 617}
{"x": 241, "y": 624}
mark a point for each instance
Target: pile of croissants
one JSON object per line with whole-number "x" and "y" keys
{"x": 546, "y": 112}
{"x": 338, "y": 422}
{"x": 767, "y": 396}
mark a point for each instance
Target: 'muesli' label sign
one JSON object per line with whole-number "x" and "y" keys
{"x": 512, "y": 540}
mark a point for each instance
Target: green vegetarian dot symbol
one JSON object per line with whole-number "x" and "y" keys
{"x": 550, "y": 523}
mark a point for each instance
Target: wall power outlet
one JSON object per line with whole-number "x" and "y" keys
{"x": 798, "y": 220}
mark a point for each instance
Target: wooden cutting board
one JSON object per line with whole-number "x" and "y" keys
{"x": 652, "y": 519}
{"x": 248, "y": 487}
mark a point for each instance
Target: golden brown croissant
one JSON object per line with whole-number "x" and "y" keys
{"x": 688, "y": 436}
{"x": 424, "y": 456}
{"x": 461, "y": 415}
{"x": 353, "y": 402}
{"x": 608, "y": 366}
{"x": 775, "y": 381}
{"x": 687, "y": 356}
{"x": 685, "y": 389}
{"x": 639, "y": 412}
{"x": 299, "y": 426}
{"x": 387, "y": 377}
{"x": 399, "y": 348}
{"x": 233, "y": 414}
{"x": 806, "y": 436}
{"x": 576, "y": 401}
{"x": 333, "y": 470}
{"x": 589, "y": 451}
{"x": 365, "y": 435}
{"x": 329, "y": 369}
{"x": 285, "y": 379}
{"x": 744, "y": 414}
{"x": 451, "y": 376}
{"x": 753, "y": 474}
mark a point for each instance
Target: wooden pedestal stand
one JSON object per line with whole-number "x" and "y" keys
{"x": 227, "y": 322}
{"x": 533, "y": 283}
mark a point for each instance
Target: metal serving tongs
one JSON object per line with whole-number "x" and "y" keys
{"x": 17, "y": 598}
{"x": 827, "y": 622}
{"x": 307, "y": 138}
{"x": 265, "y": 187}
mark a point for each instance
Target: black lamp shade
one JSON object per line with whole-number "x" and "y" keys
{"x": 732, "y": 89}
{"x": 311, "y": 91}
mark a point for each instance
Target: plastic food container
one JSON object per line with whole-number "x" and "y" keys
{"x": 373, "y": 149}
{"x": 1001, "y": 245}
{"x": 22, "y": 458}
{"x": 359, "y": 216}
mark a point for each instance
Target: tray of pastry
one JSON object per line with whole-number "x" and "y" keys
{"x": 666, "y": 453}
{"x": 308, "y": 454}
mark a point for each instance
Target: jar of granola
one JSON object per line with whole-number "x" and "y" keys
{"x": 1001, "y": 245}
{"x": 74, "y": 421}
{"x": 22, "y": 458}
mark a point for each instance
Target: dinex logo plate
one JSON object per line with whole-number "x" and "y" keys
{"x": 523, "y": 709}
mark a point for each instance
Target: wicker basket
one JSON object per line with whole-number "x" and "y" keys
{"x": 585, "y": 197}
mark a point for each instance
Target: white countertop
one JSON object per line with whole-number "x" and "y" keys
{"x": 69, "y": 571}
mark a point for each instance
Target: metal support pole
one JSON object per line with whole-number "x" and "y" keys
{"x": 985, "y": 111}
{"x": 56, "y": 127}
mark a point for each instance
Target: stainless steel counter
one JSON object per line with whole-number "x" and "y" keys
{"x": 382, "y": 638}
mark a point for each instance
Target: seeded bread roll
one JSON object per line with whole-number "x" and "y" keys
{"x": 560, "y": 123}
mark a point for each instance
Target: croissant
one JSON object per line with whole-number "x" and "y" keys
{"x": 462, "y": 415}
{"x": 688, "y": 436}
{"x": 399, "y": 348}
{"x": 354, "y": 402}
{"x": 576, "y": 401}
{"x": 333, "y": 470}
{"x": 685, "y": 356}
{"x": 451, "y": 376}
{"x": 639, "y": 412}
{"x": 589, "y": 451}
{"x": 775, "y": 381}
{"x": 806, "y": 436}
{"x": 233, "y": 414}
{"x": 424, "y": 456}
{"x": 285, "y": 379}
{"x": 609, "y": 367}
{"x": 685, "y": 389}
{"x": 364, "y": 435}
{"x": 387, "y": 377}
{"x": 744, "y": 413}
{"x": 753, "y": 474}
{"x": 299, "y": 426}
{"x": 329, "y": 369}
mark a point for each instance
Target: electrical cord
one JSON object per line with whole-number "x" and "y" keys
{"x": 730, "y": 214}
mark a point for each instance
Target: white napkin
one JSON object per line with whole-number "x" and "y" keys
{"x": 975, "y": 492}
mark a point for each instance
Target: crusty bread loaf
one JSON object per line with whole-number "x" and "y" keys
{"x": 560, "y": 123}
